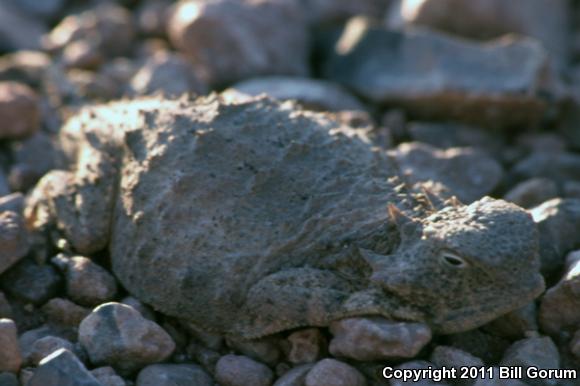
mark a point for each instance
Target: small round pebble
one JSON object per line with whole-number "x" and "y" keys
{"x": 107, "y": 376}
{"x": 330, "y": 372}
{"x": 263, "y": 350}
{"x": 62, "y": 368}
{"x": 10, "y": 358}
{"x": 19, "y": 111}
{"x": 239, "y": 370}
{"x": 173, "y": 375}
{"x": 117, "y": 335}
{"x": 63, "y": 312}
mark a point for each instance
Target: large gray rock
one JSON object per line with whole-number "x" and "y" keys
{"x": 230, "y": 40}
{"x": 367, "y": 339}
{"x": 62, "y": 368}
{"x": 435, "y": 76}
{"x": 117, "y": 335}
{"x": 14, "y": 243}
{"x": 546, "y": 20}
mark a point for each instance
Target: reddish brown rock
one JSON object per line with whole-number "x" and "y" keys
{"x": 19, "y": 111}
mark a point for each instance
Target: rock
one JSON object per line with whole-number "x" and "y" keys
{"x": 45, "y": 346}
{"x": 14, "y": 241}
{"x": 532, "y": 192}
{"x": 239, "y": 46}
{"x": 480, "y": 344}
{"x": 26, "y": 67}
{"x": 19, "y": 111}
{"x": 64, "y": 313}
{"x": 10, "y": 357}
{"x": 13, "y": 202}
{"x": 295, "y": 376}
{"x": 107, "y": 27}
{"x": 559, "y": 166}
{"x": 108, "y": 377}
{"x": 516, "y": 324}
{"x": 451, "y": 357}
{"x": 263, "y": 350}
{"x": 143, "y": 309}
{"x": 62, "y": 368}
{"x": 367, "y": 339}
{"x": 82, "y": 54}
{"x": 31, "y": 282}
{"x": 238, "y": 370}
{"x": 560, "y": 305}
{"x": 484, "y": 19}
{"x": 174, "y": 375}
{"x": 152, "y": 16}
{"x": 305, "y": 346}
{"x": 313, "y": 94}
{"x": 18, "y": 31}
{"x": 8, "y": 379}
{"x": 538, "y": 352}
{"x": 117, "y": 335}
{"x": 206, "y": 357}
{"x": 33, "y": 157}
{"x": 170, "y": 73}
{"x": 330, "y": 372}
{"x": 87, "y": 283}
{"x": 496, "y": 84}
{"x": 558, "y": 221}
{"x": 495, "y": 380}
{"x": 416, "y": 365}
{"x": 468, "y": 173}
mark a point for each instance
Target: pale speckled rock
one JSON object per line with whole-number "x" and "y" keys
{"x": 468, "y": 173}
{"x": 305, "y": 346}
{"x": 239, "y": 370}
{"x": 107, "y": 376}
{"x": 331, "y": 372}
{"x": 367, "y": 339}
{"x": 532, "y": 192}
{"x": 496, "y": 84}
{"x": 62, "y": 368}
{"x": 169, "y": 73}
{"x": 10, "y": 356}
{"x": 174, "y": 375}
{"x": 451, "y": 357}
{"x": 117, "y": 335}
{"x": 313, "y": 94}
{"x": 87, "y": 283}
{"x": 484, "y": 19}
{"x": 19, "y": 111}
{"x": 14, "y": 240}
{"x": 246, "y": 40}
{"x": 560, "y": 305}
{"x": 294, "y": 377}
{"x": 63, "y": 312}
{"x": 540, "y": 352}
{"x": 31, "y": 282}
{"x": 45, "y": 346}
{"x": 82, "y": 54}
{"x": 416, "y": 365}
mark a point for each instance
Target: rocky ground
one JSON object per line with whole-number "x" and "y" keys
{"x": 482, "y": 97}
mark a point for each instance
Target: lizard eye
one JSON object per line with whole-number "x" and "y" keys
{"x": 453, "y": 260}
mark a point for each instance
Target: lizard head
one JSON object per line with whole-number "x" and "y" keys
{"x": 463, "y": 266}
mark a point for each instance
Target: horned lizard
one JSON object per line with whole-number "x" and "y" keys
{"x": 256, "y": 217}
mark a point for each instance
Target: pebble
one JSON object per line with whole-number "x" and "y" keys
{"x": 206, "y": 357}
{"x": 62, "y": 368}
{"x": 540, "y": 352}
{"x": 469, "y": 173}
{"x": 560, "y": 305}
{"x": 239, "y": 48}
{"x": 238, "y": 370}
{"x": 492, "y": 85}
{"x": 331, "y": 372}
{"x": 64, "y": 313}
{"x": 19, "y": 111}
{"x": 10, "y": 356}
{"x": 45, "y": 346}
{"x": 312, "y": 94}
{"x": 107, "y": 376}
{"x": 532, "y": 192}
{"x": 87, "y": 283}
{"x": 416, "y": 365}
{"x": 575, "y": 344}
{"x": 117, "y": 335}
{"x": 169, "y": 73}
{"x": 294, "y": 377}
{"x": 82, "y": 54}
{"x": 451, "y": 357}
{"x": 305, "y": 346}
{"x": 174, "y": 375}
{"x": 367, "y": 339}
{"x": 14, "y": 241}
{"x": 31, "y": 282}
{"x": 484, "y": 19}
{"x": 264, "y": 350}
{"x": 558, "y": 221}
